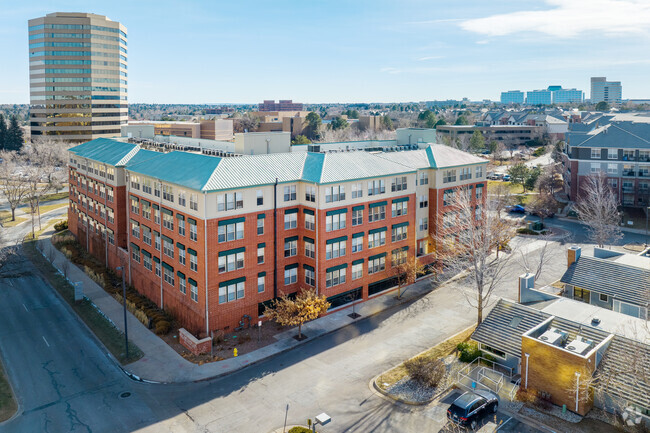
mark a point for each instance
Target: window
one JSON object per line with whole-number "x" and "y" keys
{"x": 168, "y": 274}
{"x": 168, "y": 247}
{"x": 376, "y": 264}
{"x": 181, "y": 224}
{"x": 628, "y": 155}
{"x": 376, "y": 187}
{"x": 135, "y": 253}
{"x": 260, "y": 224}
{"x": 493, "y": 351}
{"x": 194, "y": 262}
{"x": 291, "y": 247}
{"x": 310, "y": 276}
{"x": 261, "y": 277}
{"x": 168, "y": 193}
{"x": 310, "y": 220}
{"x": 146, "y": 235}
{"x": 478, "y": 212}
{"x": 290, "y": 193}
{"x": 310, "y": 193}
{"x": 334, "y": 221}
{"x": 146, "y": 186}
{"x": 194, "y": 290}
{"x": 465, "y": 173}
{"x": 168, "y": 220}
{"x": 581, "y": 294}
{"x": 479, "y": 172}
{"x": 595, "y": 153}
{"x": 357, "y": 270}
{"x": 612, "y": 168}
{"x": 181, "y": 253}
{"x": 156, "y": 189}
{"x": 335, "y": 248}
{"x": 230, "y": 230}
{"x": 135, "y": 182}
{"x": 603, "y": 297}
{"x": 193, "y": 232}
{"x": 449, "y": 219}
{"x": 181, "y": 198}
{"x": 194, "y": 202}
{"x": 398, "y": 257}
{"x": 449, "y": 176}
{"x": 146, "y": 209}
{"x": 398, "y": 184}
{"x": 157, "y": 267}
{"x": 399, "y": 208}
{"x": 595, "y": 167}
{"x": 357, "y": 216}
{"x": 479, "y": 192}
{"x": 291, "y": 220}
{"x": 135, "y": 205}
{"x": 156, "y": 214}
{"x": 613, "y": 183}
{"x": 423, "y": 224}
{"x": 290, "y": 275}
{"x": 230, "y": 201}
{"x": 146, "y": 260}
{"x": 182, "y": 284}
{"x": 260, "y": 254}
{"x": 424, "y": 178}
{"x": 357, "y": 242}
{"x": 335, "y": 276}
{"x": 310, "y": 250}
{"x": 109, "y": 193}
{"x": 260, "y": 197}
{"x": 357, "y": 190}
{"x": 422, "y": 248}
{"x": 156, "y": 240}
{"x": 423, "y": 201}
{"x": 334, "y": 193}
{"x": 376, "y": 238}
{"x": 612, "y": 153}
{"x": 135, "y": 229}
{"x": 399, "y": 233}
{"x": 231, "y": 290}
{"x": 111, "y": 237}
{"x": 231, "y": 260}
{"x": 448, "y": 197}
{"x": 376, "y": 213}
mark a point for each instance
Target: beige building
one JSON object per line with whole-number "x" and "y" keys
{"x": 281, "y": 121}
{"x": 78, "y": 76}
{"x": 219, "y": 129}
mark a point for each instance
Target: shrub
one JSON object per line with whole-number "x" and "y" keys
{"x": 539, "y": 151}
{"x": 427, "y": 372}
{"x": 299, "y": 430}
{"x": 60, "y": 226}
{"x": 468, "y": 351}
{"x": 527, "y": 231}
{"x": 163, "y": 327}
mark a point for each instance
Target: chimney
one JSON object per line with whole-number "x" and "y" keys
{"x": 573, "y": 254}
{"x": 526, "y": 282}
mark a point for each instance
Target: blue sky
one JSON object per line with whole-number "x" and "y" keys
{"x": 241, "y": 51}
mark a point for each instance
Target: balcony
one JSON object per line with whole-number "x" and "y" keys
{"x": 628, "y": 189}
{"x": 629, "y": 173}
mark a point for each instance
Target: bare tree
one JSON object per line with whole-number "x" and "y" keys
{"x": 407, "y": 273}
{"x": 500, "y": 197}
{"x": 468, "y": 244}
{"x": 13, "y": 183}
{"x": 544, "y": 206}
{"x": 7, "y": 251}
{"x": 597, "y": 208}
{"x": 546, "y": 181}
{"x": 535, "y": 261}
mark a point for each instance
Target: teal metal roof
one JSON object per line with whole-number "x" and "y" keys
{"x": 141, "y": 156}
{"x": 313, "y": 167}
{"x": 181, "y": 168}
{"x": 105, "y": 150}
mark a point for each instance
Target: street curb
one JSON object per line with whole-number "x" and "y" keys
{"x": 13, "y": 392}
{"x": 528, "y": 421}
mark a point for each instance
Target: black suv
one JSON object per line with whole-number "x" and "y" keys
{"x": 469, "y": 408}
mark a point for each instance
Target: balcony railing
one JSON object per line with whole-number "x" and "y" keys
{"x": 629, "y": 173}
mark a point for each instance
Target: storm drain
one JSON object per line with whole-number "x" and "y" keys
{"x": 125, "y": 395}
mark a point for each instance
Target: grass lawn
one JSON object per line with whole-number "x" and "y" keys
{"x": 112, "y": 338}
{"x": 49, "y": 207}
{"x": 394, "y": 375}
{"x": 5, "y": 219}
{"x": 8, "y": 404}
{"x": 52, "y": 196}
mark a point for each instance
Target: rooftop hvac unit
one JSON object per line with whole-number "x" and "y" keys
{"x": 553, "y": 336}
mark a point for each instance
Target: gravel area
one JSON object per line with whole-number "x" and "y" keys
{"x": 410, "y": 390}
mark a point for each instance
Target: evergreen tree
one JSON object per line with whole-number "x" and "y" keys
{"x": 3, "y": 132}
{"x": 14, "y": 135}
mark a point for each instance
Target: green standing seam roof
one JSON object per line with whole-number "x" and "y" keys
{"x": 135, "y": 198}
{"x": 358, "y": 235}
{"x": 262, "y": 245}
{"x": 191, "y": 251}
{"x": 261, "y": 274}
{"x": 180, "y": 274}
{"x": 308, "y": 211}
{"x": 168, "y": 239}
{"x": 336, "y": 268}
{"x": 308, "y": 239}
{"x": 146, "y": 253}
{"x": 377, "y": 204}
{"x": 191, "y": 220}
{"x": 358, "y": 207}
{"x": 155, "y": 206}
{"x": 357, "y": 262}
{"x": 404, "y": 224}
{"x": 336, "y": 212}
{"x": 168, "y": 267}
{"x": 231, "y": 282}
{"x": 376, "y": 256}
{"x": 291, "y": 211}
{"x": 379, "y": 230}
{"x": 233, "y": 251}
{"x": 156, "y": 259}
{"x": 310, "y": 268}
{"x": 261, "y": 216}
{"x": 291, "y": 266}
{"x": 336, "y": 240}
{"x": 180, "y": 217}
{"x": 397, "y": 250}
{"x": 231, "y": 221}
{"x": 167, "y": 211}
{"x": 145, "y": 202}
{"x": 180, "y": 246}
{"x": 135, "y": 247}
{"x": 193, "y": 282}
{"x": 291, "y": 239}
{"x": 401, "y": 199}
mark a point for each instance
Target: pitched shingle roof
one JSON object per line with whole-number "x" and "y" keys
{"x": 627, "y": 135}
{"x": 627, "y": 283}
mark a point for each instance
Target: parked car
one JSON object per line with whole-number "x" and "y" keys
{"x": 494, "y": 176}
{"x": 516, "y": 209}
{"x": 506, "y": 178}
{"x": 468, "y": 409}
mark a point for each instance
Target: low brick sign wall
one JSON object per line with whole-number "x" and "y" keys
{"x": 190, "y": 342}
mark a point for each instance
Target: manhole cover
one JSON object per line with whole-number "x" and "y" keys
{"x": 125, "y": 395}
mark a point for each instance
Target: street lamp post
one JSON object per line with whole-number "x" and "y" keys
{"x": 647, "y": 213}
{"x": 126, "y": 330}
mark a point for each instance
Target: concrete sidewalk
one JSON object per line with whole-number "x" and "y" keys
{"x": 161, "y": 363}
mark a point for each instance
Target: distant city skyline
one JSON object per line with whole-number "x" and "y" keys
{"x": 365, "y": 51}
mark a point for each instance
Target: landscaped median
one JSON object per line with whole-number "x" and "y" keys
{"x": 103, "y": 328}
{"x": 423, "y": 378}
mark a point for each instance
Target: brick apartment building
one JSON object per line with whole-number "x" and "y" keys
{"x": 281, "y": 105}
{"x": 253, "y": 227}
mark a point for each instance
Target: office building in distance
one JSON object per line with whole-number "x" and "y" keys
{"x": 512, "y": 97}
{"x": 78, "y": 76}
{"x": 539, "y": 97}
{"x": 282, "y": 105}
{"x": 605, "y": 91}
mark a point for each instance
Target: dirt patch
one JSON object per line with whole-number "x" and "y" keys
{"x": 223, "y": 346}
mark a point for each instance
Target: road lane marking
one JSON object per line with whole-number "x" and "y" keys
{"x": 503, "y": 423}
{"x": 25, "y": 308}
{"x": 48, "y": 344}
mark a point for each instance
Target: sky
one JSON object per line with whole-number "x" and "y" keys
{"x": 317, "y": 51}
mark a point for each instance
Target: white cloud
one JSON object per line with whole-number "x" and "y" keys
{"x": 425, "y": 58}
{"x": 567, "y": 19}
{"x": 390, "y": 70}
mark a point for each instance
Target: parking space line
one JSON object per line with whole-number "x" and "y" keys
{"x": 48, "y": 344}
{"x": 503, "y": 423}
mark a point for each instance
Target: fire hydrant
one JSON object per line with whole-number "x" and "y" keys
{"x": 234, "y": 352}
